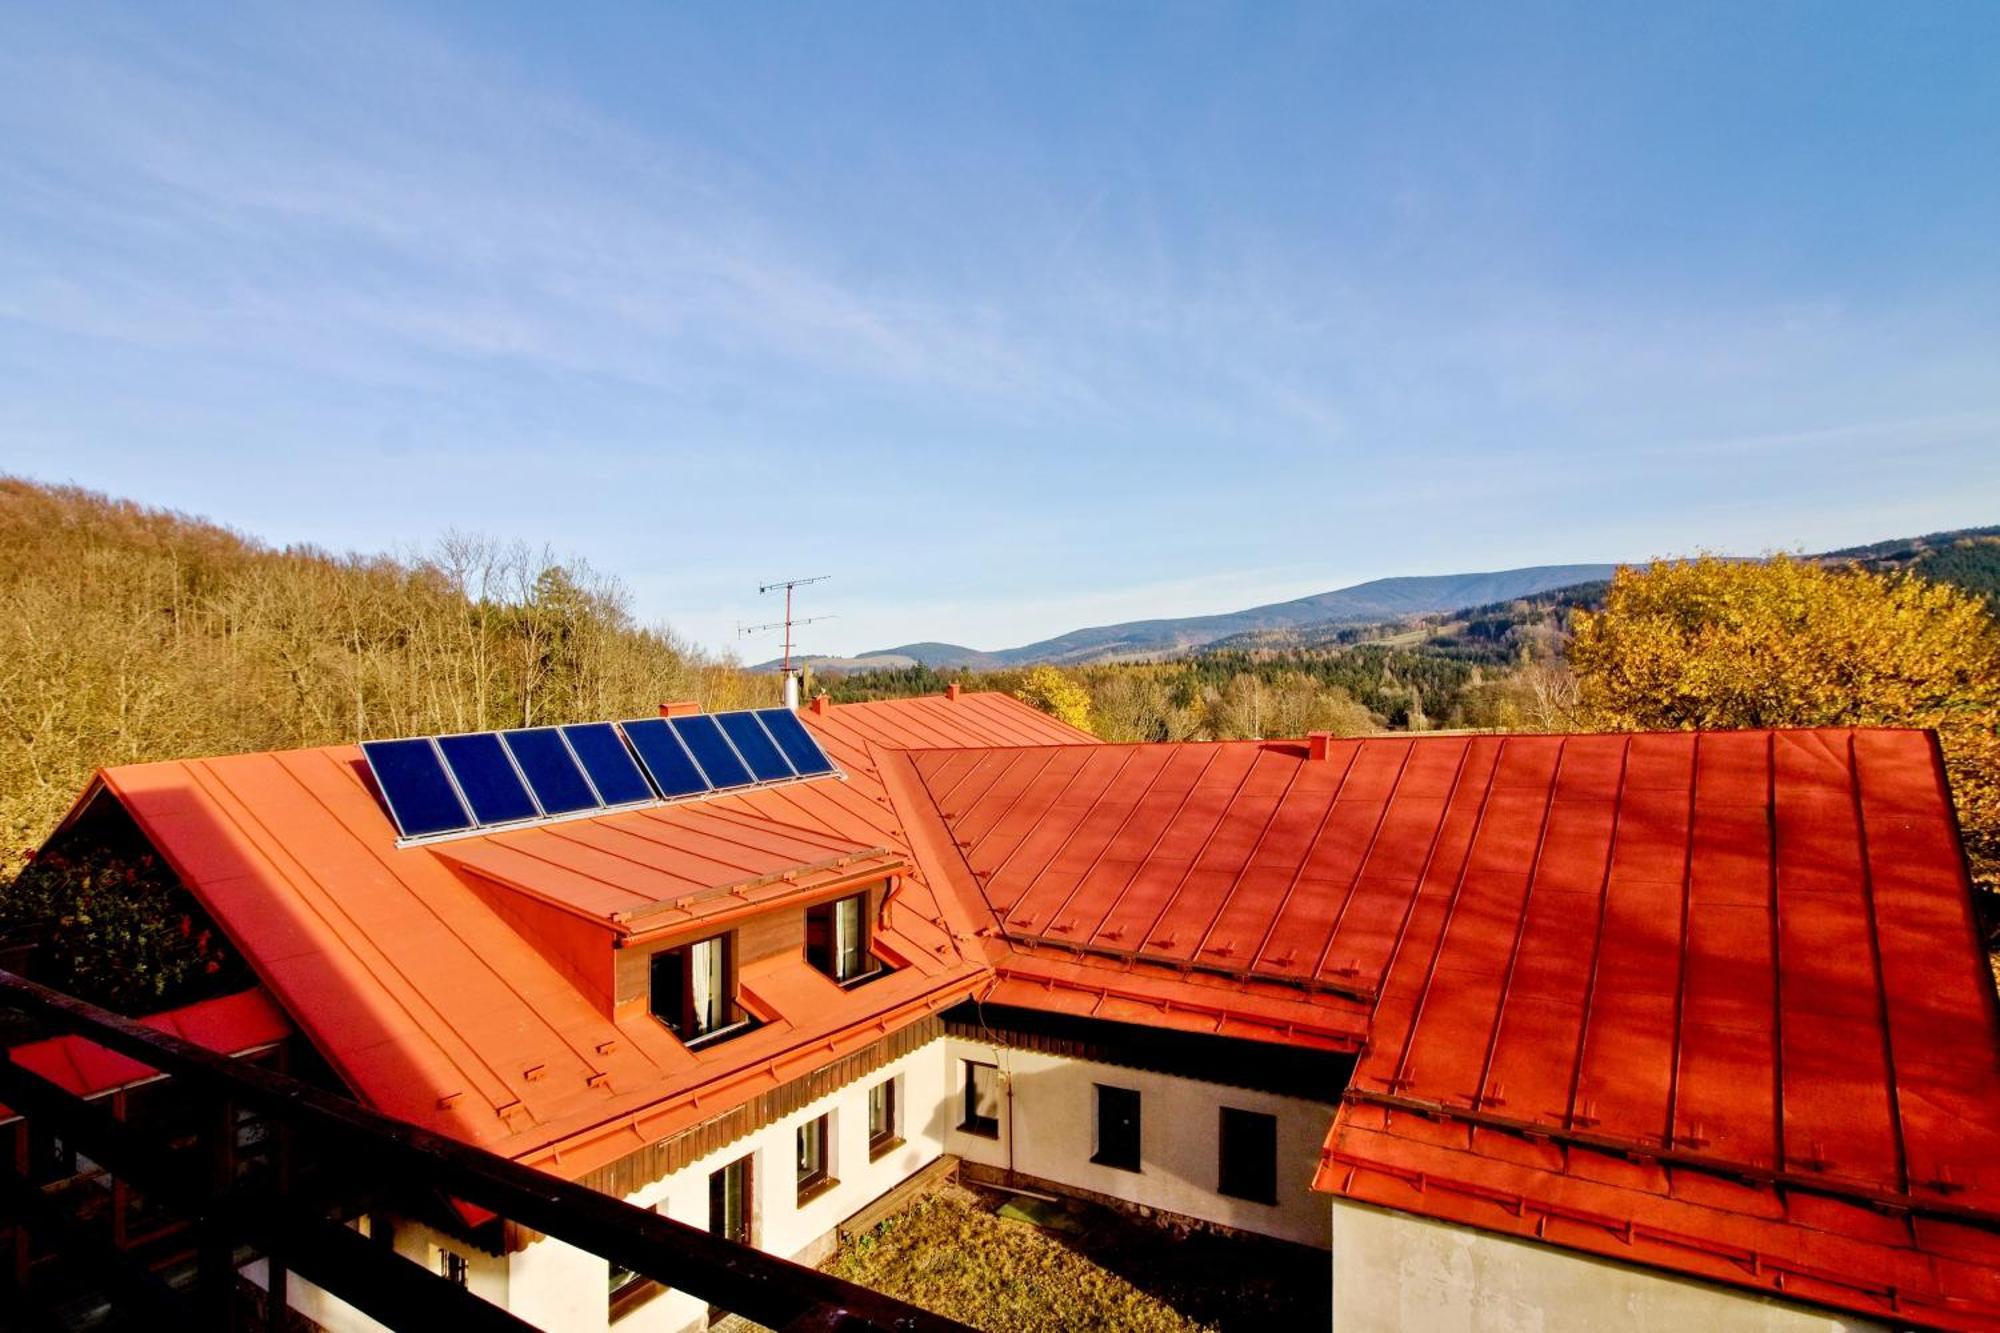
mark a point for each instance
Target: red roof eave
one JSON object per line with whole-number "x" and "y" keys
{"x": 576, "y": 1151}
{"x": 236, "y": 1025}
{"x": 1833, "y": 1252}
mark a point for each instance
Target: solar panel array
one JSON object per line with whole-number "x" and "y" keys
{"x": 437, "y": 785}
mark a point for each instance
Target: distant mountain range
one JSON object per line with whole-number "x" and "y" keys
{"x": 1378, "y": 600}
{"x": 1968, "y": 557}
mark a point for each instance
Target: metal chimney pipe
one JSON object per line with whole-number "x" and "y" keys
{"x": 792, "y": 690}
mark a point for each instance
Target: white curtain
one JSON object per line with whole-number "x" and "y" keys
{"x": 705, "y": 977}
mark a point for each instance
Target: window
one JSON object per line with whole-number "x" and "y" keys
{"x": 837, "y": 938}
{"x": 982, "y": 1100}
{"x": 729, "y": 1201}
{"x": 628, "y": 1290}
{"x": 729, "y": 1209}
{"x": 815, "y": 1168}
{"x": 451, "y": 1265}
{"x": 882, "y": 1136}
{"x": 1247, "y": 1165}
{"x": 1117, "y": 1128}
{"x": 694, "y": 989}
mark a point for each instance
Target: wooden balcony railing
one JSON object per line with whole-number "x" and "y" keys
{"x": 264, "y": 1166}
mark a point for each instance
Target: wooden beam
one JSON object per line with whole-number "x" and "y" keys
{"x": 759, "y": 1286}
{"x": 133, "y": 1286}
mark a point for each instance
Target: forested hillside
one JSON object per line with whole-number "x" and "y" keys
{"x": 1143, "y": 640}
{"x": 129, "y": 634}
{"x": 1899, "y": 634}
{"x": 1498, "y": 666}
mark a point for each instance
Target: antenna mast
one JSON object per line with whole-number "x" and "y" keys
{"x": 791, "y": 685}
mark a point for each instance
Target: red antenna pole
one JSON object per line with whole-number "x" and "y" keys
{"x": 788, "y": 622}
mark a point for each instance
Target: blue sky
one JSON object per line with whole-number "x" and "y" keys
{"x": 1012, "y": 318}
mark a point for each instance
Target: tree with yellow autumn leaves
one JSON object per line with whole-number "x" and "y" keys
{"x": 1048, "y": 689}
{"x": 1792, "y": 643}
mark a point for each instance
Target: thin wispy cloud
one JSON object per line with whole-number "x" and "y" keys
{"x": 1057, "y": 302}
{"x": 458, "y": 213}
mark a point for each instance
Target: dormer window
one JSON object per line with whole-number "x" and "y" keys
{"x": 694, "y": 989}
{"x": 837, "y": 938}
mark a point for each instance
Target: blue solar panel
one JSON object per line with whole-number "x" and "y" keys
{"x": 551, "y": 770}
{"x": 665, "y": 758}
{"x": 492, "y": 787}
{"x": 798, "y": 744}
{"x": 609, "y": 764}
{"x": 454, "y": 784}
{"x": 413, "y": 781}
{"x": 710, "y": 749}
{"x": 754, "y": 744}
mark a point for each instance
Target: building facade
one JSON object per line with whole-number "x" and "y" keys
{"x": 1528, "y": 1032}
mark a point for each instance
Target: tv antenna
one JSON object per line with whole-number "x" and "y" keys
{"x": 791, "y": 688}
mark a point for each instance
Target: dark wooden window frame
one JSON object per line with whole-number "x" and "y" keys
{"x": 885, "y": 1137}
{"x": 819, "y": 1179}
{"x": 1118, "y": 1123}
{"x": 986, "y": 1126}
{"x": 820, "y": 950}
{"x": 718, "y": 1181}
{"x": 452, "y": 1266}
{"x": 675, "y": 1010}
{"x": 1236, "y": 1175}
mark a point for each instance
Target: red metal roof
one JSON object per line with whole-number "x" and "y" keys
{"x": 1752, "y": 950}
{"x": 411, "y": 977}
{"x": 1712, "y": 1003}
{"x": 1906, "y": 1267}
{"x": 1157, "y": 997}
{"x": 1244, "y": 858}
{"x": 863, "y": 739}
{"x": 667, "y": 865}
{"x": 1722, "y": 992}
{"x": 1747, "y": 959}
{"x": 850, "y": 731}
{"x": 231, "y": 1024}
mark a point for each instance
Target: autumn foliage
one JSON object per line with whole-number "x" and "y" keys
{"x": 113, "y": 925}
{"x": 129, "y": 634}
{"x": 1712, "y": 643}
{"x": 1057, "y": 695}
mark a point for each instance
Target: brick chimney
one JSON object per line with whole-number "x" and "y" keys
{"x": 679, "y": 708}
{"x": 820, "y": 702}
{"x": 1319, "y": 745}
{"x": 951, "y": 690}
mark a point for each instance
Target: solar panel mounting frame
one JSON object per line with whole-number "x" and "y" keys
{"x": 459, "y": 785}
{"x": 476, "y": 829}
{"x": 563, "y": 730}
{"x": 395, "y": 815}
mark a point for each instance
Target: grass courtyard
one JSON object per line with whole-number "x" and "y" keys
{"x": 1006, "y": 1264}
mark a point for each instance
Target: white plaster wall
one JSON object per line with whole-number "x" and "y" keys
{"x": 486, "y": 1276}
{"x": 779, "y": 1225}
{"x": 563, "y": 1289}
{"x": 323, "y": 1308}
{"x": 556, "y": 1286}
{"x": 1052, "y": 1131}
{"x": 1052, "y": 1123}
{"x": 1394, "y": 1273}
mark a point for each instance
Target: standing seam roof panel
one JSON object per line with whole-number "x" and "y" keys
{"x": 1386, "y": 1063}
